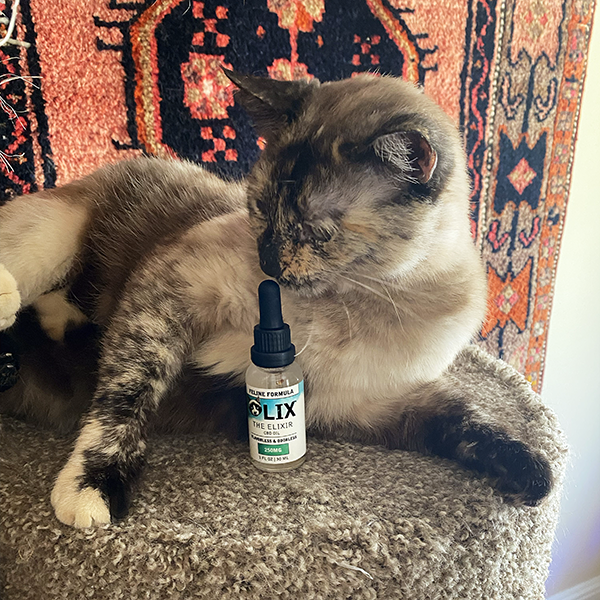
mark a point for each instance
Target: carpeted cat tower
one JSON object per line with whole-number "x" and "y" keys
{"x": 98, "y": 81}
{"x": 353, "y": 522}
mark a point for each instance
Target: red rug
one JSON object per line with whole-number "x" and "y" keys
{"x": 103, "y": 80}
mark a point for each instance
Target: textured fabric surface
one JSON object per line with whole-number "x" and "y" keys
{"x": 114, "y": 79}
{"x": 353, "y": 522}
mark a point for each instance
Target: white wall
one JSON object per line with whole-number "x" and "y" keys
{"x": 572, "y": 376}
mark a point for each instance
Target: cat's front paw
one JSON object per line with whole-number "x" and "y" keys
{"x": 518, "y": 473}
{"x": 523, "y": 476}
{"x": 10, "y": 299}
{"x": 75, "y": 505}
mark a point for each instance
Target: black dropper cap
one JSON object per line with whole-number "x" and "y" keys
{"x": 272, "y": 340}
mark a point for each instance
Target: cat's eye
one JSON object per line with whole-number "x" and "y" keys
{"x": 351, "y": 150}
{"x": 310, "y": 233}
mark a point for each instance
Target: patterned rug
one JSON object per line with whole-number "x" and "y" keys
{"x": 85, "y": 82}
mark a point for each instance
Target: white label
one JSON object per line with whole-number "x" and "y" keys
{"x": 276, "y": 423}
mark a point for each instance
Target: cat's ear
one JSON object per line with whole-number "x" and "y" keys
{"x": 271, "y": 103}
{"x": 410, "y": 152}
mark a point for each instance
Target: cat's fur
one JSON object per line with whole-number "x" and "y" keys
{"x": 358, "y": 207}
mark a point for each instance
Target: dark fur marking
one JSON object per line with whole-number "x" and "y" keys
{"x": 516, "y": 470}
{"x": 114, "y": 481}
{"x": 302, "y": 155}
{"x": 123, "y": 404}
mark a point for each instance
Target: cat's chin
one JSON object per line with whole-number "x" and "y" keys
{"x": 307, "y": 288}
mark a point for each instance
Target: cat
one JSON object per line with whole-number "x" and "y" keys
{"x": 358, "y": 208}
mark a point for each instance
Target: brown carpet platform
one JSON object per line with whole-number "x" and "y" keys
{"x": 354, "y": 522}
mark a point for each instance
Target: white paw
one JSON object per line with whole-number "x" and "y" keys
{"x": 10, "y": 299}
{"x": 75, "y": 506}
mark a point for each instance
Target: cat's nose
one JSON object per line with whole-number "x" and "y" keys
{"x": 269, "y": 258}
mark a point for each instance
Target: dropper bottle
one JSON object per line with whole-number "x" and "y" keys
{"x": 275, "y": 389}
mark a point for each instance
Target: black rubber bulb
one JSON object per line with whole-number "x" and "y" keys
{"x": 269, "y": 302}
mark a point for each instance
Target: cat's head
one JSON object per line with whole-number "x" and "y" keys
{"x": 350, "y": 178}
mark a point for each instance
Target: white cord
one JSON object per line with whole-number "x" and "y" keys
{"x": 7, "y": 39}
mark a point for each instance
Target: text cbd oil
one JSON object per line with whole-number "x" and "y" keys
{"x": 275, "y": 389}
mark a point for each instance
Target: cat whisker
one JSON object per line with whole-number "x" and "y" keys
{"x": 349, "y": 322}
{"x": 394, "y": 305}
{"x": 387, "y": 298}
{"x": 366, "y": 287}
{"x": 376, "y": 279}
{"x": 312, "y": 328}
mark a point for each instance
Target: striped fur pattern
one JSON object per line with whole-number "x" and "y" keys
{"x": 358, "y": 207}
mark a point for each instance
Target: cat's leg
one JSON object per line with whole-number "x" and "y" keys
{"x": 435, "y": 421}
{"x": 515, "y": 470}
{"x": 144, "y": 349}
{"x": 10, "y": 299}
{"x": 40, "y": 236}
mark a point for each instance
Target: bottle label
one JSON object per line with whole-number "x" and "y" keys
{"x": 276, "y": 423}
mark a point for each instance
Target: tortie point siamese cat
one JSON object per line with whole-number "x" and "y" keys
{"x": 358, "y": 208}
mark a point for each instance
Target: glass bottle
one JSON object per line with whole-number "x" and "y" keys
{"x": 275, "y": 389}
